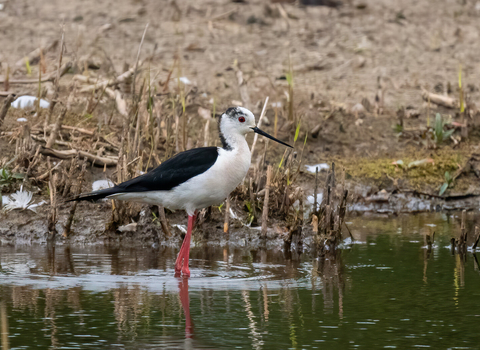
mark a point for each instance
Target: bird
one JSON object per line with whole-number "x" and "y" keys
{"x": 193, "y": 179}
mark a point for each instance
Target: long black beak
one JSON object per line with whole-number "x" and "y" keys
{"x": 263, "y": 133}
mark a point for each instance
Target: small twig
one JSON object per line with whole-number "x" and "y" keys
{"x": 439, "y": 99}
{"x": 80, "y": 130}
{"x": 222, "y": 15}
{"x": 46, "y": 78}
{"x": 265, "y": 202}
{"x": 96, "y": 160}
{"x": 34, "y": 161}
{"x": 7, "y": 93}
{"x": 35, "y": 55}
{"x": 48, "y": 172}
{"x": 105, "y": 83}
{"x": 349, "y": 232}
{"x": 259, "y": 124}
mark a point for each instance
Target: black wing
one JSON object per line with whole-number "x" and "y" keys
{"x": 166, "y": 176}
{"x": 173, "y": 171}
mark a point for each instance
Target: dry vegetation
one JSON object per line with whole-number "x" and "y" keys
{"x": 132, "y": 85}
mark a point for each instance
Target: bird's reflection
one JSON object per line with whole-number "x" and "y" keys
{"x": 185, "y": 300}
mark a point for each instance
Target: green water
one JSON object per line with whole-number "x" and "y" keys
{"x": 385, "y": 291}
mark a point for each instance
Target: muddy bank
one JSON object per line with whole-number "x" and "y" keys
{"x": 90, "y": 225}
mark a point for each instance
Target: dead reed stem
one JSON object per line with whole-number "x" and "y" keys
{"x": 67, "y": 154}
{"x": 6, "y": 83}
{"x": 252, "y": 199}
{"x": 136, "y": 64}
{"x": 56, "y": 80}
{"x": 265, "y": 202}
{"x": 259, "y": 125}
{"x": 68, "y": 224}
{"x": 52, "y": 217}
{"x": 477, "y": 238}
{"x": 61, "y": 117}
{"x": 315, "y": 192}
{"x": 207, "y": 133}
{"x": 226, "y": 227}
{"x": 463, "y": 234}
{"x": 163, "y": 221}
{"x": 54, "y": 133}
{"x": 4, "y": 321}
{"x": 315, "y": 224}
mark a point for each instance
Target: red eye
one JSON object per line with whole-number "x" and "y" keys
{"x": 241, "y": 119}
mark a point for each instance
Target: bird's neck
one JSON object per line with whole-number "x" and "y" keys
{"x": 233, "y": 141}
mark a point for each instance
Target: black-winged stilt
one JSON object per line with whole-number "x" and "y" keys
{"x": 194, "y": 179}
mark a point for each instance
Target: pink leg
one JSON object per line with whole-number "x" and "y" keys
{"x": 181, "y": 264}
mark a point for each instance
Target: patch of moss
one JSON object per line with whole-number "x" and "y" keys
{"x": 419, "y": 177}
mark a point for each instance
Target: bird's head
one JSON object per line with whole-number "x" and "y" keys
{"x": 241, "y": 121}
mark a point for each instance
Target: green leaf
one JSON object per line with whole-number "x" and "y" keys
{"x": 438, "y": 128}
{"x": 27, "y": 65}
{"x": 448, "y": 177}
{"x": 281, "y": 162}
{"x": 398, "y": 128}
{"x": 443, "y": 189}
{"x": 289, "y": 77}
{"x": 447, "y": 134}
{"x": 297, "y": 131}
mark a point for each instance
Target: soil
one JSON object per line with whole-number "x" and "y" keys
{"x": 379, "y": 54}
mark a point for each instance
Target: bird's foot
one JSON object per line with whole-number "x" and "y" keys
{"x": 178, "y": 267}
{"x": 186, "y": 271}
{"x": 181, "y": 268}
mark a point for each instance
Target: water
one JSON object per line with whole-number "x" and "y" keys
{"x": 384, "y": 291}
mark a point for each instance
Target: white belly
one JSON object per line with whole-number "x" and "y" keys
{"x": 209, "y": 188}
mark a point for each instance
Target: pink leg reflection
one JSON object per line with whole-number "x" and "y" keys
{"x": 185, "y": 300}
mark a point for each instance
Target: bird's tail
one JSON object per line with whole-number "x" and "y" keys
{"x": 93, "y": 196}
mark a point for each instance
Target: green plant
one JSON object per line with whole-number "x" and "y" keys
{"x": 251, "y": 215}
{"x": 440, "y": 134}
{"x": 7, "y": 177}
{"x": 446, "y": 184}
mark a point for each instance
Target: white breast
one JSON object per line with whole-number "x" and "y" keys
{"x": 213, "y": 186}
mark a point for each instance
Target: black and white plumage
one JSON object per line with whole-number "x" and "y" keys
{"x": 194, "y": 179}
